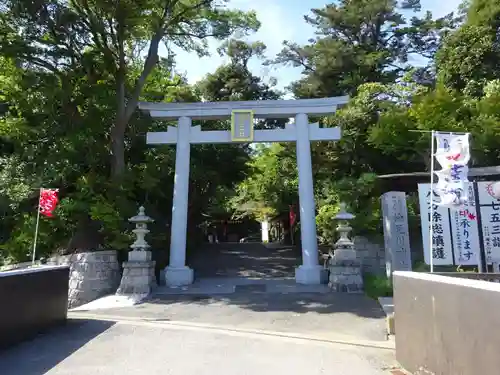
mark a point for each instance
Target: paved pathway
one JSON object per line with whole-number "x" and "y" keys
{"x": 244, "y": 260}
{"x": 246, "y": 316}
{"x": 319, "y": 314}
{"x": 252, "y": 286}
{"x": 135, "y": 348}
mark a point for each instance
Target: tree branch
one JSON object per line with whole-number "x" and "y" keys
{"x": 202, "y": 36}
{"x": 177, "y": 18}
{"x": 152, "y": 57}
{"x": 149, "y": 64}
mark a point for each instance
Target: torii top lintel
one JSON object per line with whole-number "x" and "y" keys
{"x": 260, "y": 108}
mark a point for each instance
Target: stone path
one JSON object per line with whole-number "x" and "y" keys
{"x": 134, "y": 348}
{"x": 244, "y": 260}
{"x": 325, "y": 315}
{"x": 230, "y": 285}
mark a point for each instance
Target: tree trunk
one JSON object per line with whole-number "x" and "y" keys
{"x": 127, "y": 105}
{"x": 118, "y": 147}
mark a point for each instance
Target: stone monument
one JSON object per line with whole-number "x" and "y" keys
{"x": 396, "y": 232}
{"x": 345, "y": 268}
{"x": 139, "y": 271}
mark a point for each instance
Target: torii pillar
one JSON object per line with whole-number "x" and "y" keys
{"x": 242, "y": 116}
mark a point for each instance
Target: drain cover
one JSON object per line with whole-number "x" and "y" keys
{"x": 259, "y": 288}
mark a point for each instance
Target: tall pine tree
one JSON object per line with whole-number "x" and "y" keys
{"x": 360, "y": 41}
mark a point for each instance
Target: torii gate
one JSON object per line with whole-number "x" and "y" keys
{"x": 242, "y": 114}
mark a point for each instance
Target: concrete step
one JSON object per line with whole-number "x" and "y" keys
{"x": 387, "y": 304}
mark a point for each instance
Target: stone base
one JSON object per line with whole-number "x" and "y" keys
{"x": 344, "y": 254}
{"x": 345, "y": 276}
{"x": 161, "y": 278}
{"x": 309, "y": 275}
{"x": 139, "y": 256}
{"x": 138, "y": 278}
{"x": 178, "y": 276}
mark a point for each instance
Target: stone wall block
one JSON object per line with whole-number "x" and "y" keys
{"x": 92, "y": 275}
{"x": 371, "y": 255}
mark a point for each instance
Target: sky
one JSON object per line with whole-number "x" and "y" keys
{"x": 280, "y": 20}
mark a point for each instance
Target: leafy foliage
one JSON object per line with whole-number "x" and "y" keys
{"x": 360, "y": 41}
{"x": 470, "y": 56}
{"x": 72, "y": 73}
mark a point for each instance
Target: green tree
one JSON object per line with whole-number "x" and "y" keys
{"x": 271, "y": 184}
{"x": 47, "y": 146}
{"x": 470, "y": 56}
{"x": 108, "y": 36}
{"x": 397, "y": 132}
{"x": 360, "y": 41}
{"x": 232, "y": 81}
{"x": 235, "y": 81}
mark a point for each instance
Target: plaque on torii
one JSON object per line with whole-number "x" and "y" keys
{"x": 242, "y": 115}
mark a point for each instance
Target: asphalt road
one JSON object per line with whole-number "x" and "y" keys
{"x": 125, "y": 348}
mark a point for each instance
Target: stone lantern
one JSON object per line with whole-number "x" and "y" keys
{"x": 139, "y": 271}
{"x": 344, "y": 247}
{"x": 344, "y": 267}
{"x": 140, "y": 246}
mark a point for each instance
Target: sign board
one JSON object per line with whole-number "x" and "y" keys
{"x": 489, "y": 201}
{"x": 242, "y": 125}
{"x": 456, "y": 232}
{"x": 396, "y": 232}
{"x": 442, "y": 249}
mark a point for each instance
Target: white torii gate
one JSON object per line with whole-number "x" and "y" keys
{"x": 242, "y": 116}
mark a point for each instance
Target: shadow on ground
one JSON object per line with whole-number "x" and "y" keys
{"x": 322, "y": 315}
{"x": 250, "y": 286}
{"x": 244, "y": 260}
{"x": 330, "y": 303}
{"x": 44, "y": 352}
{"x": 230, "y": 261}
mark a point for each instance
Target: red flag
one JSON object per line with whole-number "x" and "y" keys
{"x": 292, "y": 216}
{"x": 48, "y": 201}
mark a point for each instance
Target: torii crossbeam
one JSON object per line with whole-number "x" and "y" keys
{"x": 242, "y": 116}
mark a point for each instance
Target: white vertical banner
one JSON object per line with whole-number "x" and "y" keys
{"x": 442, "y": 250}
{"x": 453, "y": 155}
{"x": 465, "y": 232}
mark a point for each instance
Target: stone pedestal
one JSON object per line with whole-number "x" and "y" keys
{"x": 178, "y": 276}
{"x": 345, "y": 275}
{"x": 344, "y": 265}
{"x": 309, "y": 275}
{"x": 138, "y": 274}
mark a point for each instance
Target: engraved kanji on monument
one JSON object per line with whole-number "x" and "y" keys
{"x": 396, "y": 233}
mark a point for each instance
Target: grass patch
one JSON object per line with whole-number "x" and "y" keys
{"x": 422, "y": 267}
{"x": 377, "y": 286}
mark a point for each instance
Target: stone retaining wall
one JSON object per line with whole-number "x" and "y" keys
{"x": 370, "y": 255}
{"x": 92, "y": 275}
